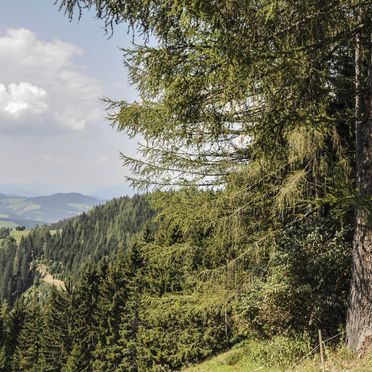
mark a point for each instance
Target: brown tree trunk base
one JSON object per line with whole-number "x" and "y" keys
{"x": 359, "y": 322}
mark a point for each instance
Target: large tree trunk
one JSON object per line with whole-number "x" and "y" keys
{"x": 359, "y": 319}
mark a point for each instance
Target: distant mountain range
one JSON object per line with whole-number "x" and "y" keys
{"x": 35, "y": 189}
{"x": 32, "y": 211}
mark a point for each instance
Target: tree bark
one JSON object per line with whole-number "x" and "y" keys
{"x": 359, "y": 318}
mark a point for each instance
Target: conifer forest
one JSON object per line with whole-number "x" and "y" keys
{"x": 253, "y": 218}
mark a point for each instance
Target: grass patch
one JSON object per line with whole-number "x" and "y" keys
{"x": 17, "y": 235}
{"x": 7, "y": 224}
{"x": 340, "y": 359}
{"x": 233, "y": 360}
{"x": 283, "y": 354}
{"x": 31, "y": 207}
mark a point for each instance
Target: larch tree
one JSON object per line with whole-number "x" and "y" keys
{"x": 234, "y": 86}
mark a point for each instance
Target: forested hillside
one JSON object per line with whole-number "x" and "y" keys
{"x": 67, "y": 247}
{"x": 99, "y": 234}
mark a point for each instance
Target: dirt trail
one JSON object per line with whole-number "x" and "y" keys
{"x": 48, "y": 278}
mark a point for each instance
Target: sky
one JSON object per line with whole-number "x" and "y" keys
{"x": 53, "y": 72}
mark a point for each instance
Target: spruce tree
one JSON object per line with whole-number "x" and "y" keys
{"x": 3, "y": 336}
{"x": 77, "y": 360}
{"x": 27, "y": 356}
{"x": 84, "y": 325}
{"x": 57, "y": 329}
{"x": 130, "y": 317}
{"x": 15, "y": 326}
{"x": 113, "y": 296}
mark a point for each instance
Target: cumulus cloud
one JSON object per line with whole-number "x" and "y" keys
{"x": 23, "y": 98}
{"x": 42, "y": 82}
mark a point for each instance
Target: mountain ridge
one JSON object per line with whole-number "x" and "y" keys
{"x": 30, "y": 211}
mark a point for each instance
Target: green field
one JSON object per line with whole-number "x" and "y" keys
{"x": 17, "y": 235}
{"x": 7, "y": 224}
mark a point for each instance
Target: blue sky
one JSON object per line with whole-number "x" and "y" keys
{"x": 53, "y": 135}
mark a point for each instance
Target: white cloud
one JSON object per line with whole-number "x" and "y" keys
{"x": 23, "y": 98}
{"x": 42, "y": 84}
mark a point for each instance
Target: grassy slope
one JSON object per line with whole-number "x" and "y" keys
{"x": 5, "y": 223}
{"x": 227, "y": 362}
{"x": 17, "y": 235}
{"x": 238, "y": 360}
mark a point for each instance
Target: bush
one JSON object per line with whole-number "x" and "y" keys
{"x": 306, "y": 285}
{"x": 4, "y": 232}
{"x": 280, "y": 351}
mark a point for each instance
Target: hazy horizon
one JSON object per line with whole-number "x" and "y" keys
{"x": 34, "y": 190}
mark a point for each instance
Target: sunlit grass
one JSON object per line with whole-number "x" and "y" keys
{"x": 240, "y": 359}
{"x": 17, "y": 235}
